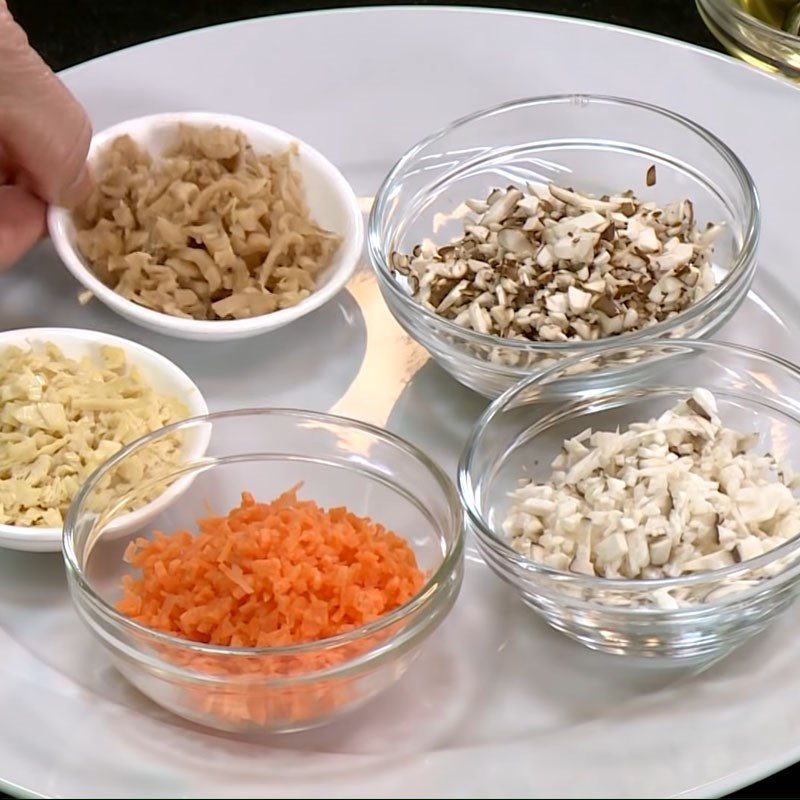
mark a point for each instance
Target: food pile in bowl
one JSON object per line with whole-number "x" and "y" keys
{"x": 209, "y": 231}
{"x": 308, "y": 573}
{"x": 553, "y": 265}
{"x": 268, "y": 570}
{"x": 62, "y": 419}
{"x": 671, "y": 496}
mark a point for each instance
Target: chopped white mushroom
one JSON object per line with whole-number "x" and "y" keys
{"x": 717, "y": 560}
{"x": 612, "y": 548}
{"x": 751, "y": 547}
{"x": 675, "y": 495}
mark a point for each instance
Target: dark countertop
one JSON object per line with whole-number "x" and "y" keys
{"x": 66, "y": 33}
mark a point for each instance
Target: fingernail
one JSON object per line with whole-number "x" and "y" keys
{"x": 72, "y": 194}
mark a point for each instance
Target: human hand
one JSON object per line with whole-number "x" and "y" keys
{"x": 44, "y": 138}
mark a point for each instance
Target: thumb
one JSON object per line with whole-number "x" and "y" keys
{"x": 44, "y": 132}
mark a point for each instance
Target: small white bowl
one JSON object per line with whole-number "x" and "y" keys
{"x": 159, "y": 372}
{"x": 330, "y": 198}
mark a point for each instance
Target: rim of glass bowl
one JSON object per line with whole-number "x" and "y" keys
{"x": 466, "y": 490}
{"x": 742, "y": 266}
{"x": 430, "y": 591}
{"x": 728, "y": 8}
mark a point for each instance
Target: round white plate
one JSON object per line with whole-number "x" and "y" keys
{"x": 498, "y": 705}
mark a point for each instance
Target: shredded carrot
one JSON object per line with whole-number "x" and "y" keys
{"x": 269, "y": 574}
{"x": 279, "y": 573}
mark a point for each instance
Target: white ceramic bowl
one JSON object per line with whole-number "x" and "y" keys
{"x": 332, "y": 202}
{"x": 159, "y": 372}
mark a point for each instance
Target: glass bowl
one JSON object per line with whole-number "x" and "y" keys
{"x": 521, "y": 433}
{"x": 594, "y": 144}
{"x": 750, "y": 39}
{"x": 339, "y": 462}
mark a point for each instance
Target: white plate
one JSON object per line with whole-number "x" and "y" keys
{"x": 497, "y": 705}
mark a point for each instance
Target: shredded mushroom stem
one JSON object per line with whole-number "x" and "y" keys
{"x": 556, "y": 265}
{"x": 672, "y": 496}
{"x": 210, "y": 231}
{"x": 61, "y": 418}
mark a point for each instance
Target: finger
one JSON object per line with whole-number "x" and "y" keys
{"x": 44, "y": 131}
{"x": 22, "y": 223}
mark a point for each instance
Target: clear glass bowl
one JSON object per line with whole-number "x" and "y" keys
{"x": 521, "y": 433}
{"x": 595, "y": 144}
{"x": 750, "y": 39}
{"x": 265, "y": 452}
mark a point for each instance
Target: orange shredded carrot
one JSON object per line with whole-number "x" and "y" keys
{"x": 269, "y": 574}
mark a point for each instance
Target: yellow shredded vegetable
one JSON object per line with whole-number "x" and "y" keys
{"x": 60, "y": 418}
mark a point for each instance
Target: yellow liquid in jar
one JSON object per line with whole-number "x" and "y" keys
{"x": 772, "y": 12}
{"x": 778, "y": 14}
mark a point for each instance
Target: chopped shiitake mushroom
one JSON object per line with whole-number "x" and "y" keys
{"x": 555, "y": 265}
